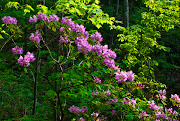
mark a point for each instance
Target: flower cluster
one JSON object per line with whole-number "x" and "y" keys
{"x": 153, "y": 106}
{"x": 42, "y": 16}
{"x": 143, "y": 114}
{"x": 161, "y": 94}
{"x": 83, "y": 45}
{"x": 9, "y": 20}
{"x": 94, "y": 94}
{"x": 75, "y": 27}
{"x": 123, "y": 76}
{"x": 63, "y": 39}
{"x": 29, "y": 57}
{"x": 94, "y": 114}
{"x": 97, "y": 36}
{"x": 81, "y": 119}
{"x": 76, "y": 110}
{"x": 97, "y": 79}
{"x": 112, "y": 101}
{"x": 113, "y": 112}
{"x": 17, "y": 50}
{"x": 175, "y": 97}
{"x": 108, "y": 93}
{"x": 35, "y": 37}
{"x": 159, "y": 114}
{"x": 61, "y": 29}
{"x": 141, "y": 86}
{"x": 107, "y": 54}
{"x": 170, "y": 110}
{"x": 159, "y": 109}
{"x": 33, "y": 19}
{"x": 133, "y": 101}
{"x": 128, "y": 101}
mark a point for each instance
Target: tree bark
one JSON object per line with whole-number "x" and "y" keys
{"x": 126, "y": 13}
{"x": 35, "y": 82}
{"x": 117, "y": 10}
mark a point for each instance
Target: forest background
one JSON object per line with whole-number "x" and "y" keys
{"x": 143, "y": 33}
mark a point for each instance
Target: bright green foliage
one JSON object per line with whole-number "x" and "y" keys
{"x": 85, "y": 9}
{"x": 140, "y": 41}
{"x": 13, "y": 4}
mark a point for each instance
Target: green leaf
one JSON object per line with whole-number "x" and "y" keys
{"x": 1, "y": 37}
{"x": 25, "y": 70}
{"x": 53, "y": 28}
{"x": 88, "y": 64}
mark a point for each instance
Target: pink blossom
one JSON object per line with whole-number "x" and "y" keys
{"x": 133, "y": 102}
{"x": 76, "y": 110}
{"x": 9, "y": 20}
{"x": 94, "y": 94}
{"x": 29, "y": 57}
{"x": 95, "y": 114}
{"x": 143, "y": 114}
{"x": 107, "y": 93}
{"x": 20, "y": 61}
{"x": 121, "y": 77}
{"x": 61, "y": 29}
{"x": 35, "y": 37}
{"x": 140, "y": 86}
{"x": 81, "y": 119}
{"x": 130, "y": 75}
{"x": 97, "y": 79}
{"x": 17, "y": 50}
{"x": 42, "y": 16}
{"x": 113, "y": 112}
{"x": 34, "y": 19}
{"x": 97, "y": 36}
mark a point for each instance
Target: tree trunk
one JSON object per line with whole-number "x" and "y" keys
{"x": 117, "y": 10}
{"x": 126, "y": 13}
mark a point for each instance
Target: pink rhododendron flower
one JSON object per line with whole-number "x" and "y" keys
{"x": 34, "y": 19}
{"x": 161, "y": 94}
{"x": 17, "y": 50}
{"x": 130, "y": 75}
{"x": 76, "y": 110}
{"x": 9, "y": 20}
{"x": 143, "y": 114}
{"x": 94, "y": 114}
{"x": 133, "y": 102}
{"x": 42, "y": 16}
{"x": 61, "y": 29}
{"x": 97, "y": 79}
{"x": 35, "y": 37}
{"x": 113, "y": 112}
{"x": 20, "y": 61}
{"x": 29, "y": 57}
{"x": 141, "y": 86}
{"x": 81, "y": 119}
{"x": 97, "y": 36}
{"x": 121, "y": 77}
{"x": 94, "y": 94}
{"x": 107, "y": 93}
{"x": 112, "y": 100}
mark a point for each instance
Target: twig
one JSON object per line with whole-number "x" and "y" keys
{"x": 6, "y": 42}
{"x": 49, "y": 51}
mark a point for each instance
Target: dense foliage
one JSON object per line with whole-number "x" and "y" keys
{"x": 55, "y": 65}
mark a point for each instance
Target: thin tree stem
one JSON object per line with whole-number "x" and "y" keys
{"x": 35, "y": 82}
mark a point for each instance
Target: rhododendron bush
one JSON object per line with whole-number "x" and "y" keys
{"x": 84, "y": 81}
